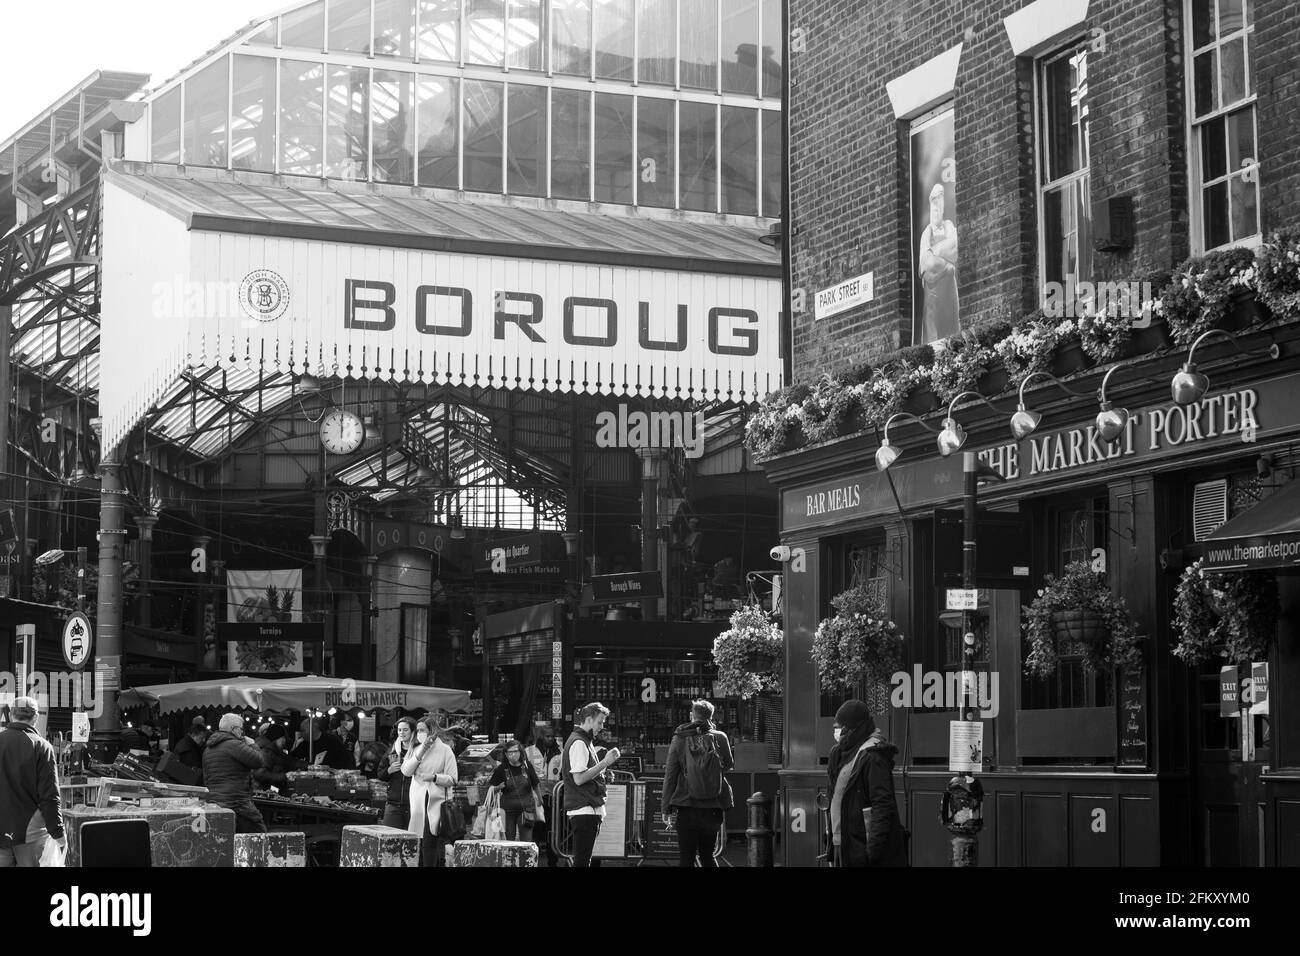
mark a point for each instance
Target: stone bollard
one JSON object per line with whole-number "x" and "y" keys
{"x": 760, "y": 830}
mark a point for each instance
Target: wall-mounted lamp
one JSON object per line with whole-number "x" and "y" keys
{"x": 572, "y": 541}
{"x": 887, "y": 454}
{"x": 373, "y": 432}
{"x": 457, "y": 525}
{"x": 319, "y": 543}
{"x": 953, "y": 436}
{"x": 1110, "y": 421}
{"x": 308, "y": 384}
{"x": 774, "y": 235}
{"x": 1189, "y": 386}
{"x": 1024, "y": 421}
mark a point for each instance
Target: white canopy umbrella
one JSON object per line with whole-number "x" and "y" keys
{"x": 294, "y": 693}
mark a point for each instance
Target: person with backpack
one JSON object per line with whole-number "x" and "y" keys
{"x": 865, "y": 828}
{"x": 696, "y": 790}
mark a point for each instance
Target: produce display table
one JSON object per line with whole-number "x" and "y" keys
{"x": 276, "y": 812}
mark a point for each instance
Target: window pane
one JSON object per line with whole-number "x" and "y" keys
{"x": 773, "y": 47}
{"x": 1058, "y": 236}
{"x": 1232, "y": 64}
{"x": 1230, "y": 20}
{"x": 1241, "y": 138}
{"x": 483, "y": 136}
{"x": 439, "y": 132}
{"x": 657, "y": 37}
{"x": 1245, "y": 207}
{"x": 773, "y": 159}
{"x": 350, "y": 25}
{"x": 739, "y": 161}
{"x": 571, "y": 37}
{"x": 1202, "y": 22}
{"x": 253, "y": 120}
{"x": 613, "y": 38}
{"x": 304, "y": 28}
{"x": 699, "y": 156}
{"x": 524, "y": 37}
{"x": 699, "y": 44}
{"x": 656, "y": 135}
{"x": 740, "y": 46}
{"x": 395, "y": 28}
{"x": 613, "y": 148}
{"x": 206, "y": 97}
{"x": 165, "y": 127}
{"x": 1213, "y": 160}
{"x": 1065, "y": 115}
{"x": 348, "y": 128}
{"x": 1205, "y": 80}
{"x": 440, "y": 30}
{"x": 393, "y": 118}
{"x": 485, "y": 41}
{"x": 526, "y": 145}
{"x": 300, "y": 117}
{"x": 570, "y": 144}
{"x": 264, "y": 36}
{"x": 1215, "y": 215}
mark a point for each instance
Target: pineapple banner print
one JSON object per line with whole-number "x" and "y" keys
{"x": 255, "y": 597}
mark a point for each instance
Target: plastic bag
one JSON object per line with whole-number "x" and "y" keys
{"x": 495, "y": 828}
{"x": 52, "y": 855}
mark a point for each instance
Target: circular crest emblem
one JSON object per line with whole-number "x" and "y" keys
{"x": 263, "y": 295}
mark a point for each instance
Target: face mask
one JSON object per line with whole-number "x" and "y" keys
{"x": 836, "y": 734}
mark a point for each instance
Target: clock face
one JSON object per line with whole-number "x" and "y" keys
{"x": 341, "y": 432}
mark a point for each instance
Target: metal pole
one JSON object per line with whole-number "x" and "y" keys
{"x": 6, "y": 386}
{"x": 760, "y": 830}
{"x": 650, "y": 458}
{"x": 108, "y": 618}
{"x": 965, "y": 847}
{"x": 144, "y": 597}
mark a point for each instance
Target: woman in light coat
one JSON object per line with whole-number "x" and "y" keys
{"x": 433, "y": 771}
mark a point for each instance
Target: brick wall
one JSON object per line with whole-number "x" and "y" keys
{"x": 848, "y": 154}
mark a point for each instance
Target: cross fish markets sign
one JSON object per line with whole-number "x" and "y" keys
{"x": 1222, "y": 419}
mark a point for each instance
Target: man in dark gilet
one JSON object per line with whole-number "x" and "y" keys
{"x": 584, "y": 781}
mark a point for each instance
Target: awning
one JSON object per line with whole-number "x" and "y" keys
{"x": 272, "y": 280}
{"x": 295, "y": 693}
{"x": 1265, "y": 537}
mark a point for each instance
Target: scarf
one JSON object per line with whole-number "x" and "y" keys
{"x": 846, "y": 749}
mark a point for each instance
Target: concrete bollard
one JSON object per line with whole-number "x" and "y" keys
{"x": 760, "y": 834}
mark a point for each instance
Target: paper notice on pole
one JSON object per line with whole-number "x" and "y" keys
{"x": 965, "y": 746}
{"x": 80, "y": 728}
{"x": 1259, "y": 688}
{"x": 962, "y": 599}
{"x": 612, "y": 839}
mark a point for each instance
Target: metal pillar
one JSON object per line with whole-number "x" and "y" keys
{"x": 108, "y": 618}
{"x": 650, "y": 462}
{"x": 144, "y": 597}
{"x": 965, "y": 846}
{"x": 369, "y": 609}
{"x": 6, "y": 386}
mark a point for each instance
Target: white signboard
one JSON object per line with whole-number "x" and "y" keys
{"x": 963, "y": 599}
{"x": 965, "y": 746}
{"x": 842, "y": 297}
{"x": 1258, "y": 688}
{"x": 80, "y": 727}
{"x": 612, "y": 839}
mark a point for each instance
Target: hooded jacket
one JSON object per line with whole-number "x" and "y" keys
{"x": 275, "y": 764}
{"x": 228, "y": 765}
{"x": 676, "y": 792}
{"x": 871, "y": 786}
{"x": 29, "y": 786}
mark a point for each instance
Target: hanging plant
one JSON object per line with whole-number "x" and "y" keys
{"x": 858, "y": 643}
{"x": 958, "y": 368}
{"x": 1278, "y": 266}
{"x": 749, "y": 655}
{"x": 1200, "y": 295}
{"x": 1028, "y": 347}
{"x": 1078, "y": 607}
{"x": 1229, "y": 616}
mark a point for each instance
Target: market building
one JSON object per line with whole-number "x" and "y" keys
{"x": 1023, "y": 182}
{"x": 425, "y": 311}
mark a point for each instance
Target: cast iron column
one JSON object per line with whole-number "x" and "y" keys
{"x": 650, "y": 459}
{"x": 108, "y": 616}
{"x": 144, "y": 600}
{"x": 965, "y": 846}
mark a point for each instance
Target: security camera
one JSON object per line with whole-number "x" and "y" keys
{"x": 780, "y": 553}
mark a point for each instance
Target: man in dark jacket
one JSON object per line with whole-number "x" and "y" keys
{"x": 324, "y": 749}
{"x": 865, "y": 829}
{"x": 189, "y": 749}
{"x": 138, "y": 739}
{"x": 30, "y": 811}
{"x": 228, "y": 764}
{"x": 696, "y": 790}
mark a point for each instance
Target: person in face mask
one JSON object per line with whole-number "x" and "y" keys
{"x": 432, "y": 768}
{"x": 865, "y": 828}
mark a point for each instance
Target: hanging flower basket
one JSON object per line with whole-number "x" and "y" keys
{"x": 1232, "y": 617}
{"x": 859, "y": 643}
{"x": 1151, "y": 338}
{"x": 994, "y": 381}
{"x": 750, "y": 654}
{"x": 921, "y": 401}
{"x": 1068, "y": 358}
{"x": 1079, "y": 608}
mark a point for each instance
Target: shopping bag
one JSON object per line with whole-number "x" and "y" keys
{"x": 480, "y": 822}
{"x": 495, "y": 828}
{"x": 52, "y": 855}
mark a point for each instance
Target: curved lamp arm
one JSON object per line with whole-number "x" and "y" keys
{"x": 1190, "y": 365}
{"x": 1101, "y": 392}
{"x": 909, "y": 417}
{"x": 958, "y": 397}
{"x": 1050, "y": 377}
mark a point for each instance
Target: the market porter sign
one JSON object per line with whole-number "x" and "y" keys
{"x": 1158, "y": 432}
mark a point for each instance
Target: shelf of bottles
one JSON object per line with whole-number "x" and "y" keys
{"x": 648, "y": 696}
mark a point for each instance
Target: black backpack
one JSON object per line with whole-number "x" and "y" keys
{"x": 703, "y": 768}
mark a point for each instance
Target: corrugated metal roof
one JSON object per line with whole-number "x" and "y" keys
{"x": 220, "y": 201}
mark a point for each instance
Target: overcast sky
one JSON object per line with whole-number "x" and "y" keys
{"x": 52, "y": 45}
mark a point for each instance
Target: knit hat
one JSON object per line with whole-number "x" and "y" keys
{"x": 854, "y": 714}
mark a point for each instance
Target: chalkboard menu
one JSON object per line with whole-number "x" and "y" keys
{"x": 631, "y": 763}
{"x": 1133, "y": 718}
{"x": 661, "y": 842}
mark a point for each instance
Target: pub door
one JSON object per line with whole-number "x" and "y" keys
{"x": 1228, "y": 802}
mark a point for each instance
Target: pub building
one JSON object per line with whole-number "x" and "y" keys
{"x": 1004, "y": 155}
{"x": 415, "y": 314}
